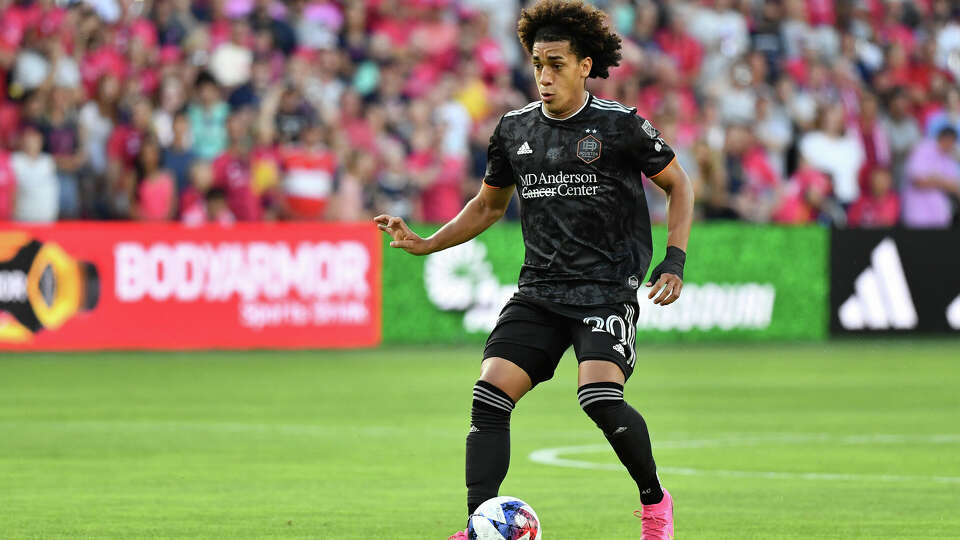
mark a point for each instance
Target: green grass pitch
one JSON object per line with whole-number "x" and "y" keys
{"x": 848, "y": 440}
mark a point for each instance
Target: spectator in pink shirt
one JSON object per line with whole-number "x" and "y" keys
{"x": 805, "y": 195}
{"x": 156, "y": 190}
{"x": 932, "y": 178}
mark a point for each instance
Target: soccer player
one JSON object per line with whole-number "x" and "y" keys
{"x": 577, "y": 161}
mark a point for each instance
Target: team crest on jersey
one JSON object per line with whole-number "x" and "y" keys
{"x": 588, "y": 149}
{"x": 649, "y": 129}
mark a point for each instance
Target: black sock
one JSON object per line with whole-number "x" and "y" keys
{"x": 488, "y": 443}
{"x": 627, "y": 433}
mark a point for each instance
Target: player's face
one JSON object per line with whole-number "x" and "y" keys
{"x": 560, "y": 76}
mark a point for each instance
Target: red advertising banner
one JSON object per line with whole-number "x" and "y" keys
{"x": 74, "y": 286}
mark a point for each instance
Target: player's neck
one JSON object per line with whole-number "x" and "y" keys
{"x": 574, "y": 109}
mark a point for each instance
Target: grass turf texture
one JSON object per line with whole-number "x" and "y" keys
{"x": 369, "y": 444}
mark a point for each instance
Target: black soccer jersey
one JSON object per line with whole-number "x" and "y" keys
{"x": 586, "y": 227}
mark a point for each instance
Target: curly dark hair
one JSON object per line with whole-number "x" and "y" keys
{"x": 583, "y": 25}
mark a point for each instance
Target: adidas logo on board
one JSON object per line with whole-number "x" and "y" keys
{"x": 881, "y": 298}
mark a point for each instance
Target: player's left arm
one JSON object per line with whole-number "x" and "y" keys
{"x": 667, "y": 277}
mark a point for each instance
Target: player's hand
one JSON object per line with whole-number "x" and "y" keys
{"x": 669, "y": 287}
{"x": 403, "y": 237}
{"x": 667, "y": 278}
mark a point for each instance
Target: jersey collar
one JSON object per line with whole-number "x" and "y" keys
{"x": 549, "y": 118}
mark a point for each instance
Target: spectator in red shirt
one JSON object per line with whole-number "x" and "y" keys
{"x": 123, "y": 147}
{"x": 821, "y": 12}
{"x": 103, "y": 59}
{"x": 218, "y": 208}
{"x": 876, "y": 143}
{"x": 193, "y": 208}
{"x": 309, "y": 168}
{"x": 685, "y": 51}
{"x": 439, "y": 177}
{"x": 143, "y": 72}
{"x": 754, "y": 184}
{"x": 8, "y": 187}
{"x": 892, "y": 29}
{"x": 878, "y": 207}
{"x": 231, "y": 171}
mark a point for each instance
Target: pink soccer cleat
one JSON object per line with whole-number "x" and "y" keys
{"x": 657, "y": 519}
{"x": 460, "y": 535}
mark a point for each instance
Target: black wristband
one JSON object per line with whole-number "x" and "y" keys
{"x": 672, "y": 263}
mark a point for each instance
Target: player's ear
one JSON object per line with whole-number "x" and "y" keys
{"x": 585, "y": 66}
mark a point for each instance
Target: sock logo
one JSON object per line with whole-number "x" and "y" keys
{"x": 473, "y": 429}
{"x": 881, "y": 298}
{"x": 620, "y": 430}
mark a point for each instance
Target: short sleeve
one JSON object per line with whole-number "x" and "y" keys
{"x": 499, "y": 172}
{"x": 648, "y": 149}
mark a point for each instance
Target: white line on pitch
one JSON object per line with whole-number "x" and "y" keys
{"x": 552, "y": 456}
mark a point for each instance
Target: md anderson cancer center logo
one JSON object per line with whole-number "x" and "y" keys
{"x": 561, "y": 184}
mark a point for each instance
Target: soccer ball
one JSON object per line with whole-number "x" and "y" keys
{"x": 504, "y": 518}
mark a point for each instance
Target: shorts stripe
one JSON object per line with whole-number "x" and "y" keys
{"x": 631, "y": 343}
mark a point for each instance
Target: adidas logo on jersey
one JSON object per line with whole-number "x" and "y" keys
{"x": 881, "y": 298}
{"x": 619, "y": 348}
{"x": 524, "y": 149}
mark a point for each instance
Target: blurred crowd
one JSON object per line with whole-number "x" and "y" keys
{"x": 790, "y": 111}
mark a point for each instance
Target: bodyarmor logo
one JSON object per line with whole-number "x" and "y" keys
{"x": 41, "y": 287}
{"x": 588, "y": 149}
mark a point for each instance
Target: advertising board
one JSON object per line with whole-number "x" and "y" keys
{"x": 77, "y": 286}
{"x": 742, "y": 282}
{"x": 895, "y": 282}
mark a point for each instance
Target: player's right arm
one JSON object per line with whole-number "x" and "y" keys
{"x": 480, "y": 213}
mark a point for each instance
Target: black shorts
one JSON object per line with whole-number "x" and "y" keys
{"x": 534, "y": 334}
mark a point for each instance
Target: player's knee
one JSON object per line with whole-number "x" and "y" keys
{"x": 491, "y": 408}
{"x": 602, "y": 401}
